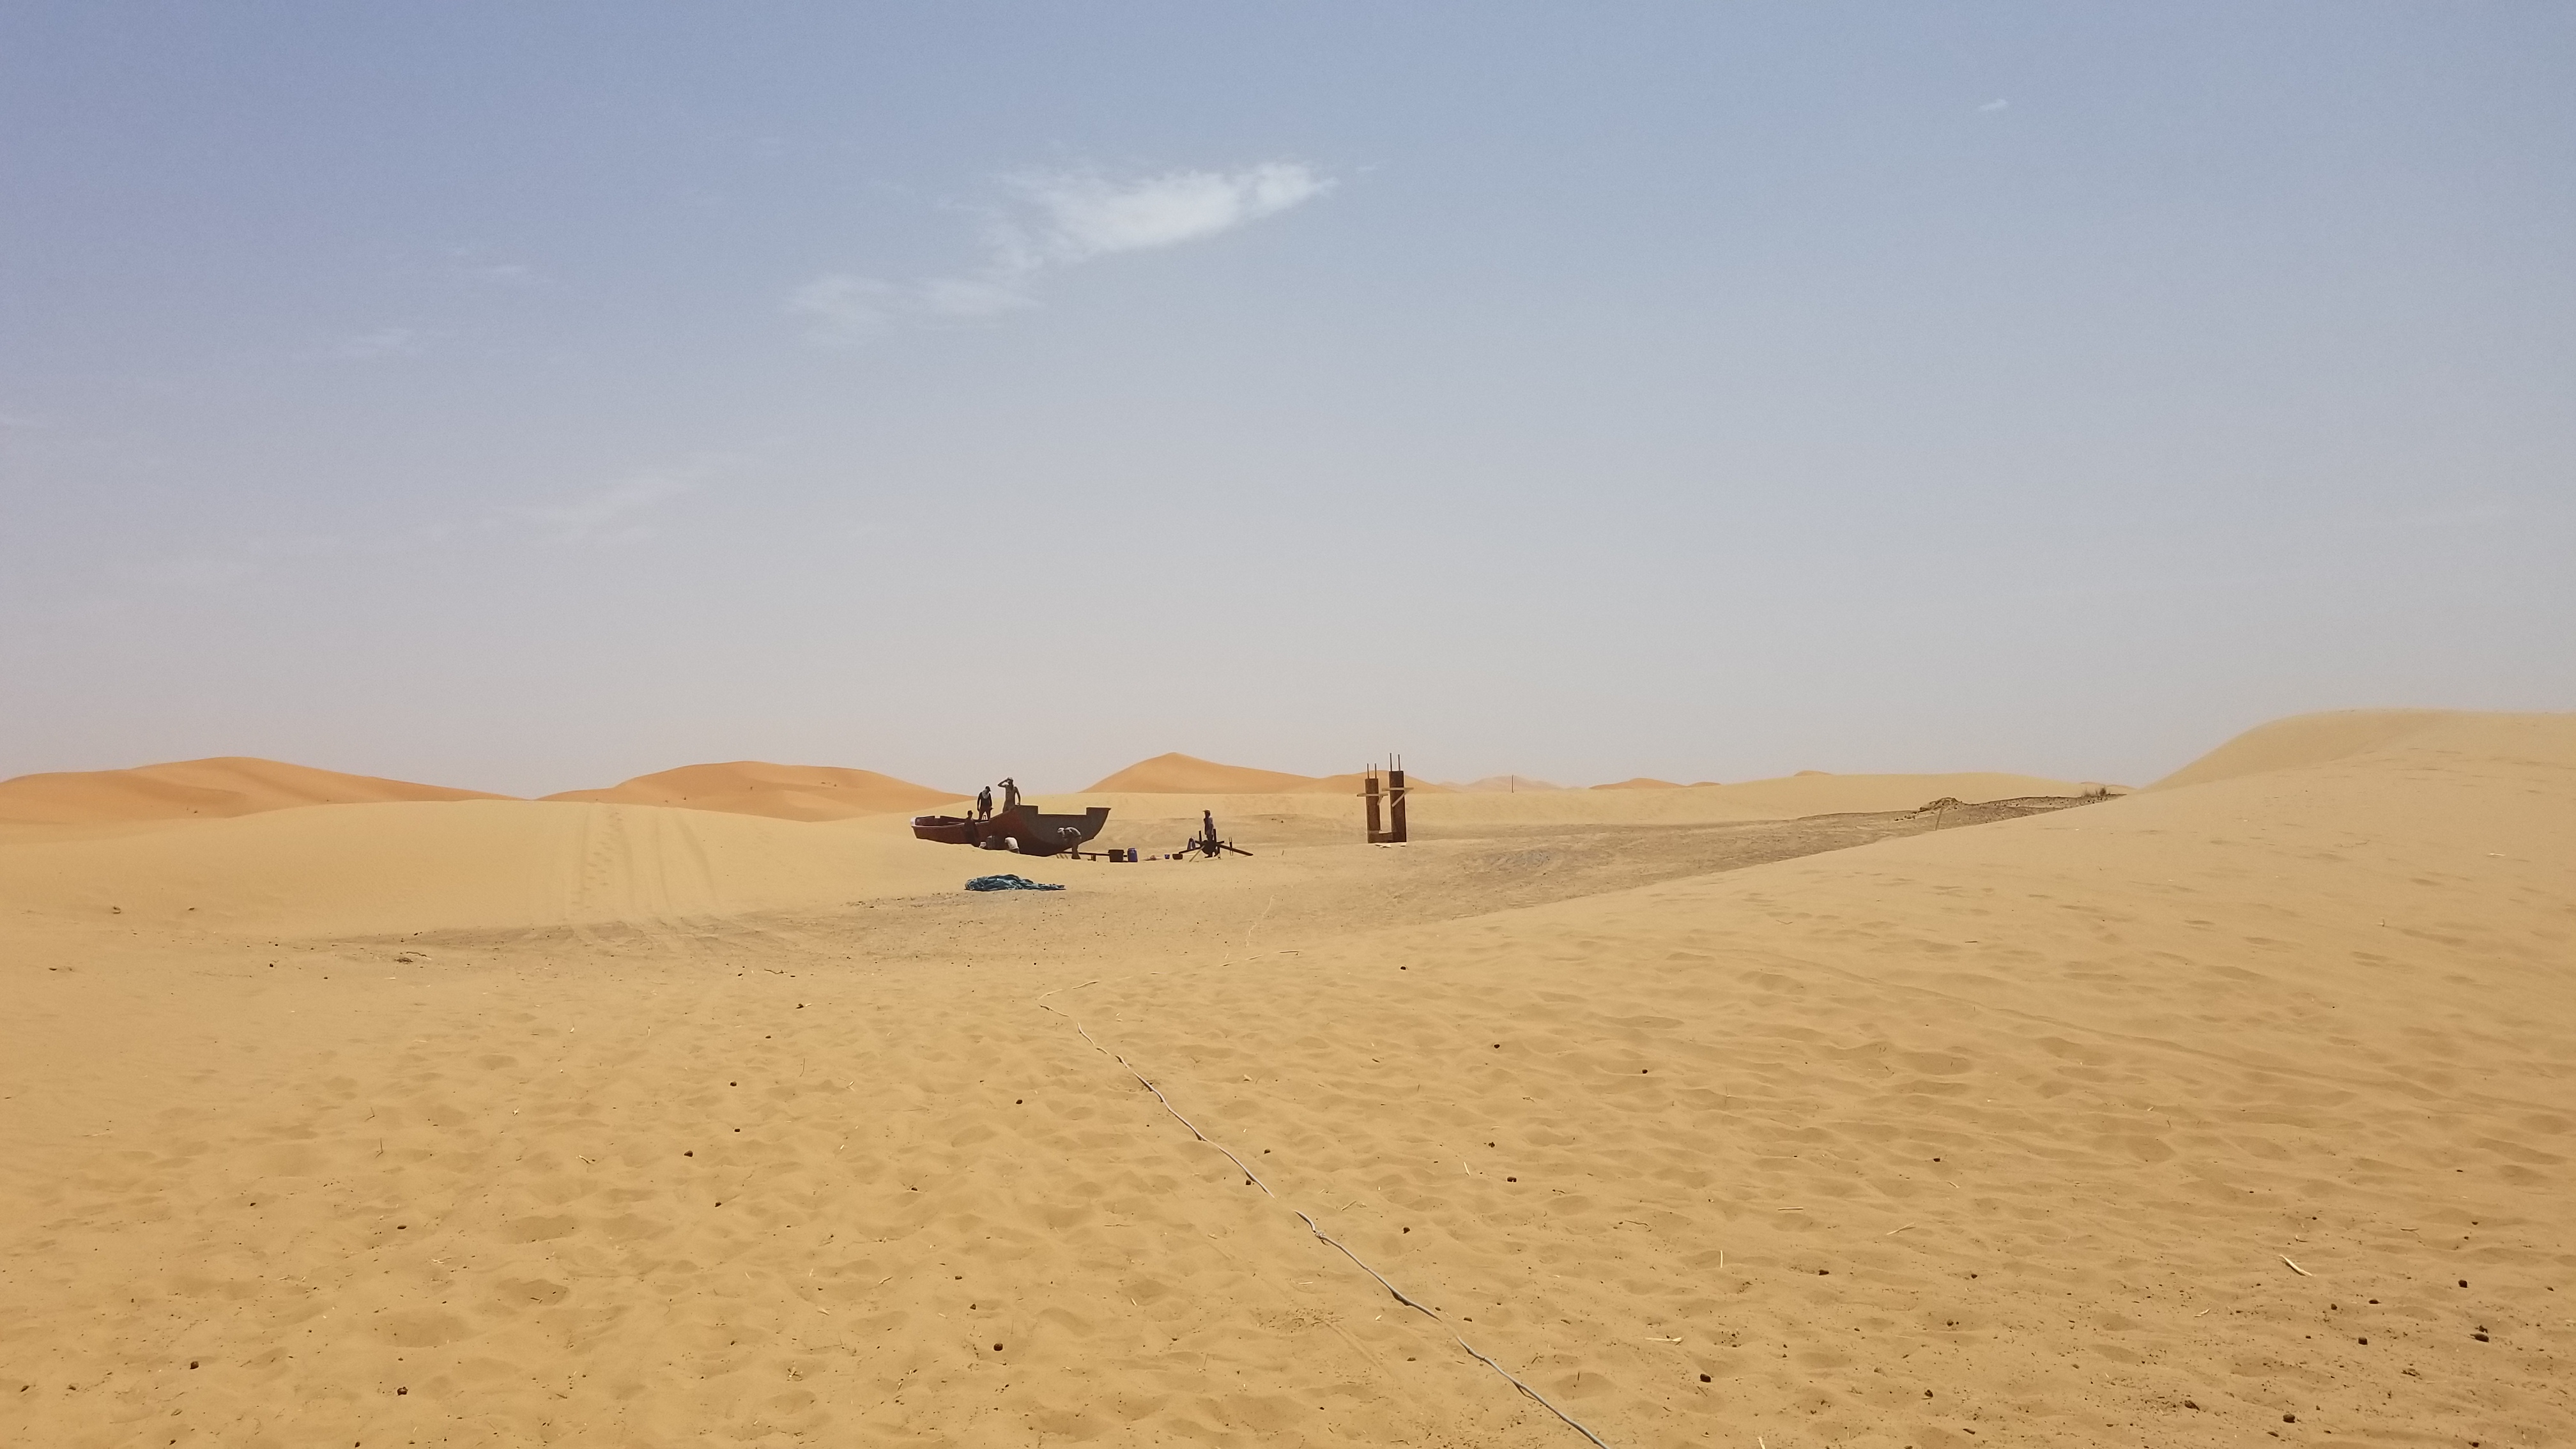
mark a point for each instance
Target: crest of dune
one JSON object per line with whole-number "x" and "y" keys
{"x": 2317, "y": 739}
{"x": 1178, "y": 774}
{"x": 1642, "y": 782}
{"x": 782, "y": 792}
{"x": 213, "y": 788}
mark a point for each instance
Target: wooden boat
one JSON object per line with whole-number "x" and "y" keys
{"x": 1019, "y": 828}
{"x": 946, "y": 829}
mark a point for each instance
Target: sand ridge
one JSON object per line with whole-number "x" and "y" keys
{"x": 782, "y": 792}
{"x": 1506, "y": 784}
{"x": 2317, "y": 739}
{"x": 1178, "y": 774}
{"x": 210, "y": 788}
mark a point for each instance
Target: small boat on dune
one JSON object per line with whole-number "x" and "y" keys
{"x": 1016, "y": 827}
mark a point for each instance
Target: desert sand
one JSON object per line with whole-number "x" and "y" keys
{"x": 2237, "y": 1110}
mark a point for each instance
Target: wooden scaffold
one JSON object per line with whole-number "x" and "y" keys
{"x": 1387, "y": 791}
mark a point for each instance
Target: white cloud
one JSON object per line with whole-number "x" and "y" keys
{"x": 1060, "y": 219}
{"x": 1088, "y": 215}
{"x": 383, "y": 342}
{"x": 1997, "y": 104}
{"x": 476, "y": 262}
{"x": 845, "y": 308}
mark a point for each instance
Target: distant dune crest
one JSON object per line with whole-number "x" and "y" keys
{"x": 1504, "y": 785}
{"x": 212, "y": 788}
{"x": 781, "y": 792}
{"x": 231, "y": 786}
{"x": 1179, "y": 774}
{"x": 2318, "y": 739}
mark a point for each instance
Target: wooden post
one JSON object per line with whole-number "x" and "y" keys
{"x": 1395, "y": 801}
{"x": 1368, "y": 790}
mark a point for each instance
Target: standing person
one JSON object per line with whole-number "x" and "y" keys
{"x": 984, "y": 803}
{"x": 1010, "y": 793}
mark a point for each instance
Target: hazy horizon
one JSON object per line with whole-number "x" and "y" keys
{"x": 529, "y": 400}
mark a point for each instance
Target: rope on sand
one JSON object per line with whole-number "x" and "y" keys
{"x": 1255, "y": 1179}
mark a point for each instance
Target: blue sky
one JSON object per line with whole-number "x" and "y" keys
{"x": 528, "y": 397}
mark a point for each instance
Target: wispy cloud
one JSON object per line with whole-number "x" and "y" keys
{"x": 616, "y": 513}
{"x": 1997, "y": 104}
{"x": 1053, "y": 220}
{"x": 1088, "y": 215}
{"x": 504, "y": 274}
{"x": 383, "y": 342}
{"x": 485, "y": 265}
{"x": 608, "y": 515}
{"x": 845, "y": 308}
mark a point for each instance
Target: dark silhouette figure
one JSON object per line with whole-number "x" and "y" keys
{"x": 1206, "y": 843}
{"x": 984, "y": 803}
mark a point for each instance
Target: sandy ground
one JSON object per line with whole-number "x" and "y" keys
{"x": 504, "y": 1122}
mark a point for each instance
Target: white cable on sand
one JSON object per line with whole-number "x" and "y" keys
{"x": 1400, "y": 1296}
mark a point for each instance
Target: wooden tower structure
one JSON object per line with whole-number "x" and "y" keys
{"x": 1386, "y": 791}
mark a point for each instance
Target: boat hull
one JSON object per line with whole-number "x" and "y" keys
{"x": 1021, "y": 829}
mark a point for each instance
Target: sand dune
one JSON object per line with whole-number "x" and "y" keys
{"x": 2006, "y": 1134}
{"x": 783, "y": 792}
{"x": 2014, "y": 1131}
{"x": 1642, "y": 782}
{"x": 1185, "y": 775}
{"x": 1506, "y": 784}
{"x": 1175, "y": 774}
{"x": 208, "y": 788}
{"x": 479, "y": 865}
{"x": 2317, "y": 739}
